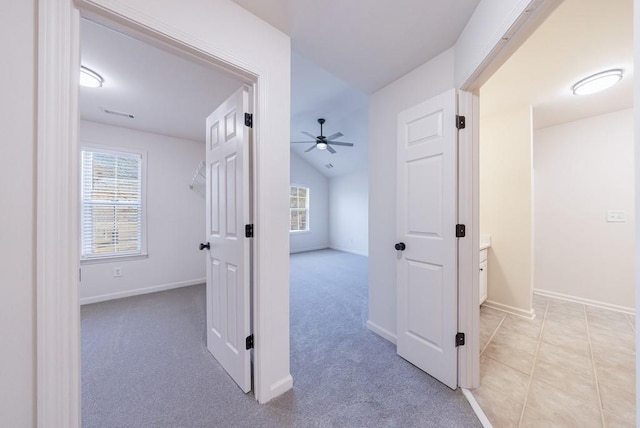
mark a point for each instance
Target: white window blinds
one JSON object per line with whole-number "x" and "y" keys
{"x": 299, "y": 208}
{"x": 111, "y": 215}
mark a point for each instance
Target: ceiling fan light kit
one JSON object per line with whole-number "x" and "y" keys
{"x": 323, "y": 143}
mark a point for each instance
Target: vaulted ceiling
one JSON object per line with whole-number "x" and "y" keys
{"x": 371, "y": 43}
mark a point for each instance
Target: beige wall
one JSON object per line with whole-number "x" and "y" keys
{"x": 582, "y": 169}
{"x": 17, "y": 187}
{"x": 505, "y": 202}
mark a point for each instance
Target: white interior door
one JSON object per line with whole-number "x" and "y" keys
{"x": 227, "y": 213}
{"x": 426, "y": 220}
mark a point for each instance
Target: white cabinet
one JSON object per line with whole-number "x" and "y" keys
{"x": 483, "y": 275}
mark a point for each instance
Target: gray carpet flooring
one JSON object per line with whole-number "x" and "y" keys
{"x": 145, "y": 362}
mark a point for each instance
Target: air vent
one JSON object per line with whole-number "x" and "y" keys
{"x": 329, "y": 166}
{"x": 117, "y": 113}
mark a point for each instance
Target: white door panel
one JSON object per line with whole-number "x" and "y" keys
{"x": 228, "y": 267}
{"x": 426, "y": 272}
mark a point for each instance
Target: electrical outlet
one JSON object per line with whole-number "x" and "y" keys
{"x": 117, "y": 272}
{"x": 616, "y": 216}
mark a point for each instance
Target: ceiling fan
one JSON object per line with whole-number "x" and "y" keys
{"x": 323, "y": 143}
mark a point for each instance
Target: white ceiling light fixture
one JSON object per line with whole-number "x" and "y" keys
{"x": 598, "y": 82}
{"x": 321, "y": 145}
{"x": 89, "y": 78}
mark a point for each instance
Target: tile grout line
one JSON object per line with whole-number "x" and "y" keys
{"x": 593, "y": 366}
{"x": 533, "y": 367}
{"x": 504, "y": 317}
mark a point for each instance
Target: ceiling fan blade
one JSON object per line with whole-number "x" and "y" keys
{"x": 303, "y": 142}
{"x": 340, "y": 143}
{"x": 310, "y": 148}
{"x": 310, "y": 135}
{"x": 334, "y": 136}
{"x": 330, "y": 149}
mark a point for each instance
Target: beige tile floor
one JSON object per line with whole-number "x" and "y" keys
{"x": 572, "y": 366}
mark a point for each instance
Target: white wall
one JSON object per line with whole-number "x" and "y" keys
{"x": 428, "y": 80}
{"x": 17, "y": 187}
{"x": 505, "y": 202}
{"x": 175, "y": 217}
{"x": 348, "y": 213}
{"x": 582, "y": 169}
{"x": 303, "y": 174}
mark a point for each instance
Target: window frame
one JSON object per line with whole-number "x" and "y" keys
{"x": 307, "y": 208}
{"x": 116, "y": 150}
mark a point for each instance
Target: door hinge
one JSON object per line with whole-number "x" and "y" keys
{"x": 459, "y": 339}
{"x": 248, "y": 231}
{"x": 248, "y": 120}
{"x": 461, "y": 122}
{"x": 461, "y": 231}
{"x": 249, "y": 342}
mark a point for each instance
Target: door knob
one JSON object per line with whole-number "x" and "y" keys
{"x": 400, "y": 246}
{"x": 203, "y": 246}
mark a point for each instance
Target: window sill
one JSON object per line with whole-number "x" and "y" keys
{"x": 297, "y": 232}
{"x": 113, "y": 259}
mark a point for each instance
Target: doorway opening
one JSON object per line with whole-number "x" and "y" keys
{"x": 328, "y": 205}
{"x": 142, "y": 261}
{"x": 548, "y": 181}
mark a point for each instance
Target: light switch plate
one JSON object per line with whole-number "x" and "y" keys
{"x": 614, "y": 216}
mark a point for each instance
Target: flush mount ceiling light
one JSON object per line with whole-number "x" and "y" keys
{"x": 597, "y": 82}
{"x": 89, "y": 78}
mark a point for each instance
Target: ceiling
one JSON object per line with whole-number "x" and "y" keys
{"x": 172, "y": 96}
{"x": 580, "y": 38}
{"x": 136, "y": 78}
{"x": 334, "y": 67}
{"x": 368, "y": 44}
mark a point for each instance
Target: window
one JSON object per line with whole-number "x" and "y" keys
{"x": 299, "y": 208}
{"x": 111, "y": 203}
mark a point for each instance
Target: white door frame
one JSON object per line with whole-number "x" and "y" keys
{"x": 469, "y": 179}
{"x": 57, "y": 223}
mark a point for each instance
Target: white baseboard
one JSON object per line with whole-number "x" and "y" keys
{"x": 384, "y": 333}
{"x": 307, "y": 249}
{"x": 280, "y": 387}
{"x": 138, "y": 291}
{"x": 348, "y": 250}
{"x": 475, "y": 406}
{"x": 588, "y": 302}
{"x": 510, "y": 309}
